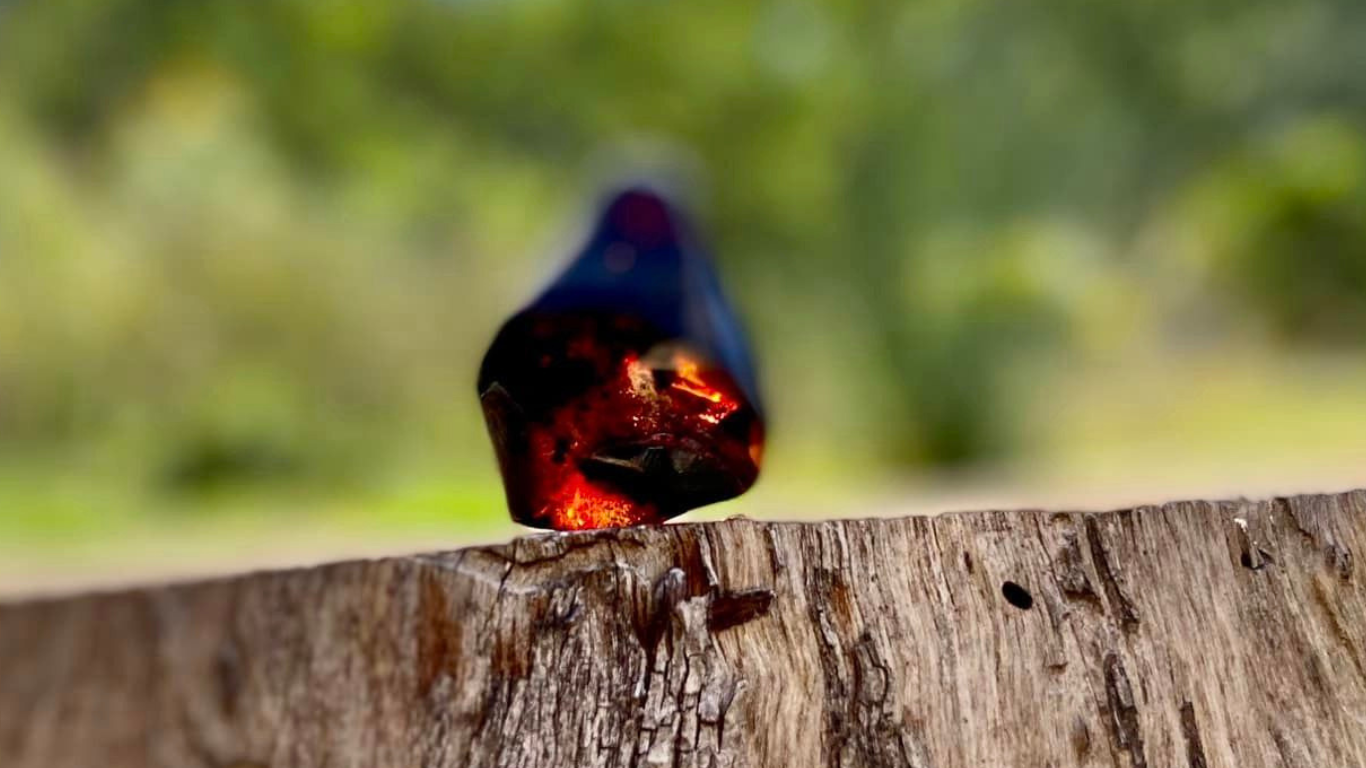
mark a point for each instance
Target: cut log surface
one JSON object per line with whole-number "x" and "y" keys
{"x": 1193, "y": 634}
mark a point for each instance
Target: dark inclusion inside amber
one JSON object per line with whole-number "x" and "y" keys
{"x": 599, "y": 420}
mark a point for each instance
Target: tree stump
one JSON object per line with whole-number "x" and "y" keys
{"x": 1193, "y": 634}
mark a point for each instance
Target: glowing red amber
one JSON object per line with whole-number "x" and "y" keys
{"x": 609, "y": 399}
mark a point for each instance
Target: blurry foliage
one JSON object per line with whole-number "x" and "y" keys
{"x": 1294, "y": 243}
{"x": 254, "y": 242}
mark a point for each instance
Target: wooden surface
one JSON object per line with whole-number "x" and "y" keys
{"x": 1194, "y": 634}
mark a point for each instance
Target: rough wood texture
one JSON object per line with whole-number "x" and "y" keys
{"x": 1193, "y": 634}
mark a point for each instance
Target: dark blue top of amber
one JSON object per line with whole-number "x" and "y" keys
{"x": 642, "y": 259}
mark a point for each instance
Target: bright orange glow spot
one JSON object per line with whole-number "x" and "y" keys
{"x": 690, "y": 381}
{"x": 612, "y": 434}
{"x": 639, "y": 376}
{"x": 580, "y": 505}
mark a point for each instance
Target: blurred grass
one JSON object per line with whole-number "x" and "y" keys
{"x": 1205, "y": 426}
{"x": 250, "y": 255}
{"x": 1256, "y": 418}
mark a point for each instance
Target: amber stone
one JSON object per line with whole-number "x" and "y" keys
{"x": 625, "y": 393}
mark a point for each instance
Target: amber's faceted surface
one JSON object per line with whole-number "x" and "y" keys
{"x": 624, "y": 394}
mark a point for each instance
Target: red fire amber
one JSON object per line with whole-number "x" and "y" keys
{"x": 609, "y": 399}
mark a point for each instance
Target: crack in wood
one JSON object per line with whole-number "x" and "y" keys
{"x": 1339, "y": 560}
{"x": 731, "y": 609}
{"x": 1124, "y": 723}
{"x": 1190, "y": 730}
{"x": 1070, "y": 571}
{"x": 863, "y": 723}
{"x": 1120, "y": 604}
{"x": 1332, "y": 617}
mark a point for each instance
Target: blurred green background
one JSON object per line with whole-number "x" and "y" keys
{"x": 989, "y": 252}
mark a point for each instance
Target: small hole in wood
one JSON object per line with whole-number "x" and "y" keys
{"x": 1017, "y": 595}
{"x": 1262, "y": 560}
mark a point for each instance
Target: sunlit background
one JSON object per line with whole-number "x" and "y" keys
{"x": 990, "y": 253}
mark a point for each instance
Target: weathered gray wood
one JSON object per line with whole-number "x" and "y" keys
{"x": 1193, "y": 634}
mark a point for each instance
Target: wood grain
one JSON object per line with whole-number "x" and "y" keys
{"x": 1195, "y": 634}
